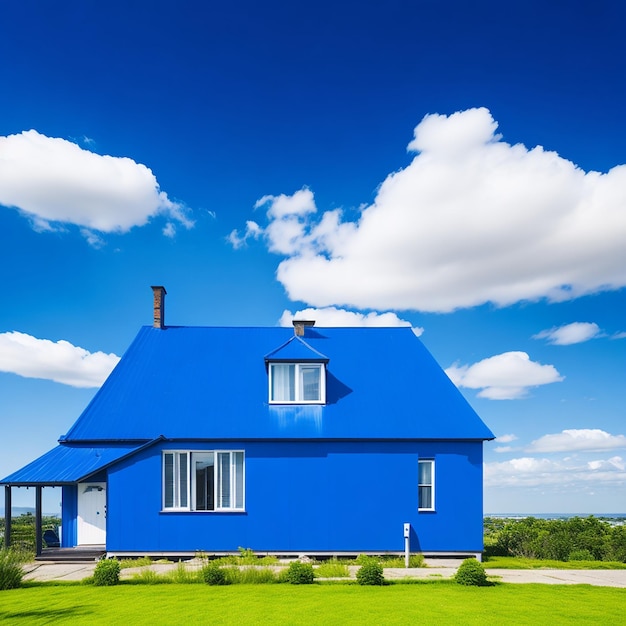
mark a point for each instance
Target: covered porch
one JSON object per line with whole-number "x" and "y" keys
{"x": 67, "y": 466}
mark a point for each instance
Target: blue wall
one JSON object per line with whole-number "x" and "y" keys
{"x": 69, "y": 515}
{"x": 308, "y": 497}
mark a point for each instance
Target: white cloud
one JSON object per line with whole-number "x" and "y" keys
{"x": 506, "y": 438}
{"x": 577, "y": 332}
{"x": 620, "y": 335}
{"x": 54, "y": 182}
{"x": 576, "y": 440}
{"x": 93, "y": 239}
{"x": 533, "y": 472}
{"x": 470, "y": 220}
{"x": 331, "y": 316}
{"x": 284, "y": 206}
{"x": 608, "y": 464}
{"x": 501, "y": 449}
{"x": 253, "y": 230}
{"x": 505, "y": 376}
{"x": 169, "y": 230}
{"x": 59, "y": 361}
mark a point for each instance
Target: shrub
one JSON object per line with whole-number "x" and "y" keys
{"x": 107, "y": 573}
{"x": 11, "y": 572}
{"x": 213, "y": 574}
{"x": 299, "y": 573}
{"x": 370, "y": 574}
{"x": 581, "y": 555}
{"x": 471, "y": 573}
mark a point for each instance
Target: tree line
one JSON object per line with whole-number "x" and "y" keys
{"x": 574, "y": 539}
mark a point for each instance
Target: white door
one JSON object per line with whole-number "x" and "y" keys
{"x": 92, "y": 501}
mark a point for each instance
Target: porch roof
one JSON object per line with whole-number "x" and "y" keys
{"x": 69, "y": 463}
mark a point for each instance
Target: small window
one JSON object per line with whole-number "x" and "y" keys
{"x": 297, "y": 383}
{"x": 426, "y": 485}
{"x": 212, "y": 481}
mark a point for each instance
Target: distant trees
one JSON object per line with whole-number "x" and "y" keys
{"x": 577, "y": 538}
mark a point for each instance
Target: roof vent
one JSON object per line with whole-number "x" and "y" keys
{"x": 300, "y": 325}
{"x": 159, "y": 306}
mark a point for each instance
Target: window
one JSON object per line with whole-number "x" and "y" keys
{"x": 426, "y": 485}
{"x": 203, "y": 481}
{"x": 297, "y": 383}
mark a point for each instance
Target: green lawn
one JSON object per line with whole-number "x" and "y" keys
{"x": 435, "y": 602}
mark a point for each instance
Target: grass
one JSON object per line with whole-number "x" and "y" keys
{"x": 246, "y": 556}
{"x": 435, "y": 602}
{"x": 513, "y": 562}
{"x": 138, "y": 562}
{"x": 332, "y": 569}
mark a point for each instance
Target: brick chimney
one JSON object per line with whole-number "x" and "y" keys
{"x": 300, "y": 325}
{"x": 159, "y": 306}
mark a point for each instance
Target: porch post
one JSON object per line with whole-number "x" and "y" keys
{"x": 7, "y": 516}
{"x": 38, "y": 539}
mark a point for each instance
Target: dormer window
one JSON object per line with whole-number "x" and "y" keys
{"x": 297, "y": 383}
{"x": 296, "y": 371}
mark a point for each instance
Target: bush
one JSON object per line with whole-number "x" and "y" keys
{"x": 11, "y": 572}
{"x": 107, "y": 573}
{"x": 471, "y": 573}
{"x": 581, "y": 555}
{"x": 299, "y": 573}
{"x": 370, "y": 573}
{"x": 213, "y": 574}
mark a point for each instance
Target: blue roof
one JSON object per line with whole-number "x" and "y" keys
{"x": 211, "y": 383}
{"x": 68, "y": 463}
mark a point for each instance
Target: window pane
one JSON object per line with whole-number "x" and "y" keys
{"x": 204, "y": 476}
{"x": 183, "y": 480}
{"x": 425, "y": 484}
{"x": 168, "y": 488}
{"x": 223, "y": 480}
{"x": 283, "y": 382}
{"x": 238, "y": 479}
{"x": 310, "y": 382}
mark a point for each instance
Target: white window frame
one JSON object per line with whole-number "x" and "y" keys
{"x": 184, "y": 491}
{"x": 180, "y": 497}
{"x": 298, "y": 391}
{"x": 430, "y": 485}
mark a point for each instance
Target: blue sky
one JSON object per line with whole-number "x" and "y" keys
{"x": 457, "y": 167}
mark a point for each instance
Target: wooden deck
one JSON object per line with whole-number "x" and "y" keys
{"x": 81, "y": 554}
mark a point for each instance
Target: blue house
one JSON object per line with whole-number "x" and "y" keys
{"x": 287, "y": 441}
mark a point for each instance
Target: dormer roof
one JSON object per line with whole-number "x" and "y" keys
{"x": 296, "y": 350}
